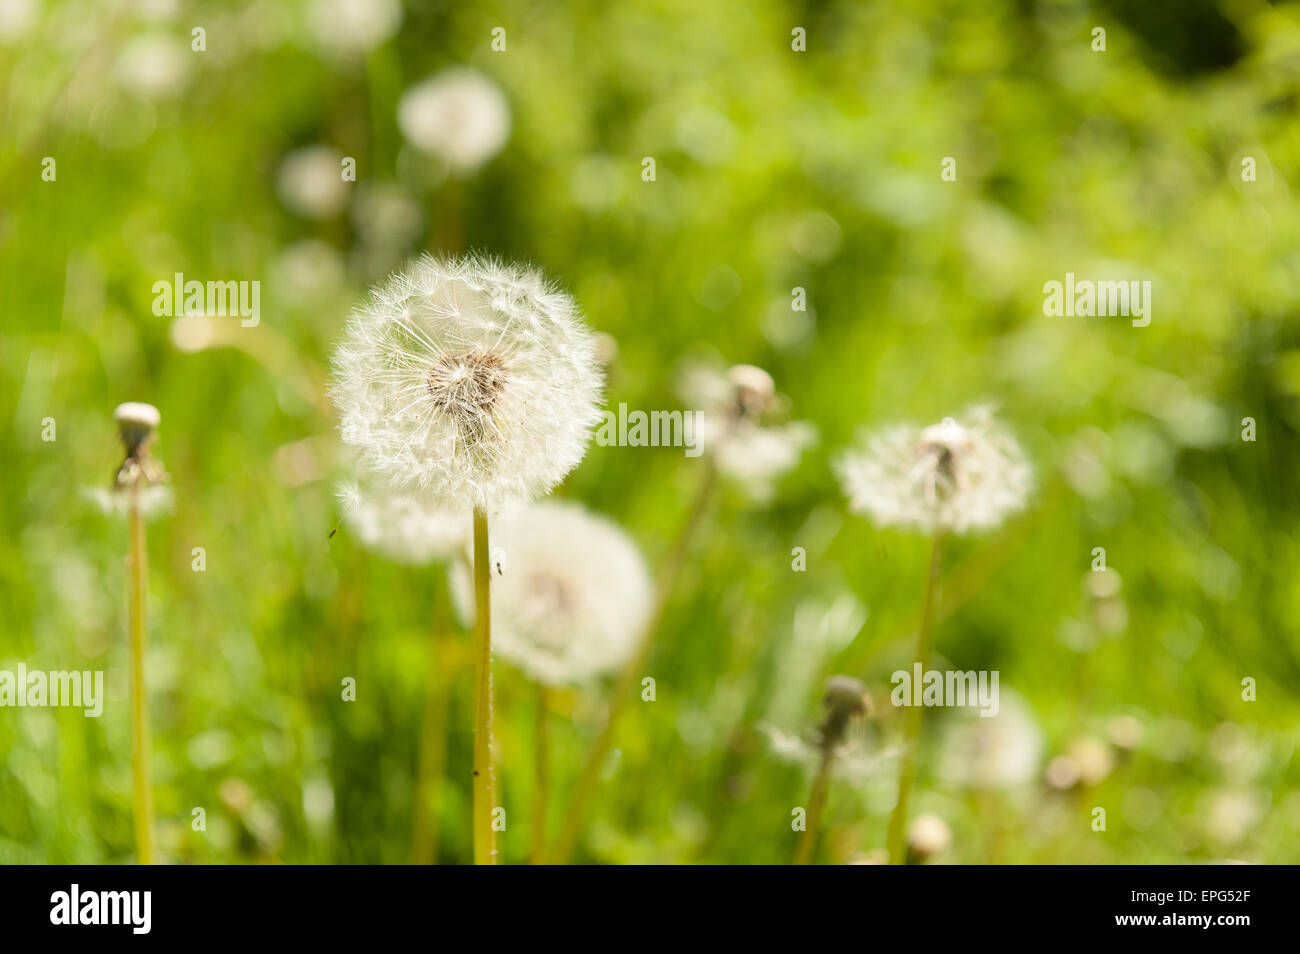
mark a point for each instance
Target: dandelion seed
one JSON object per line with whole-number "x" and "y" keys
{"x": 950, "y": 477}
{"x": 470, "y": 381}
{"x": 575, "y": 596}
{"x": 459, "y": 115}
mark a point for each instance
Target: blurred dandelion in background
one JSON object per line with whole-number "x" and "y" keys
{"x": 459, "y": 115}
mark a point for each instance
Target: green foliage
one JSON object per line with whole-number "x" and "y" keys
{"x": 776, "y": 169}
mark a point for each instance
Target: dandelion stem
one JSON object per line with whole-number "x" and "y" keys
{"x": 632, "y": 672}
{"x": 816, "y": 803}
{"x": 896, "y": 840}
{"x": 541, "y": 776}
{"x": 142, "y": 795}
{"x": 485, "y": 850}
{"x": 433, "y": 731}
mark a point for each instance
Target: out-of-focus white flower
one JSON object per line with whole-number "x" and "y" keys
{"x": 928, "y": 836}
{"x": 1000, "y": 751}
{"x": 1087, "y": 762}
{"x": 571, "y": 594}
{"x": 458, "y": 114}
{"x": 311, "y": 184}
{"x": 350, "y": 27}
{"x": 857, "y": 756}
{"x": 154, "y": 499}
{"x": 16, "y": 18}
{"x": 406, "y": 528}
{"x": 952, "y": 476}
{"x": 153, "y": 65}
{"x": 385, "y": 215}
{"x": 469, "y": 380}
{"x": 309, "y": 270}
{"x": 745, "y": 447}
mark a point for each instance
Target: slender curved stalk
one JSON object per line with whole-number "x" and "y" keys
{"x": 816, "y": 804}
{"x": 142, "y": 794}
{"x": 485, "y": 849}
{"x": 433, "y": 731}
{"x": 896, "y": 840}
{"x": 541, "y": 776}
{"x": 631, "y": 675}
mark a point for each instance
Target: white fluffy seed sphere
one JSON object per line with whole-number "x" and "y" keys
{"x": 571, "y": 594}
{"x": 459, "y": 114}
{"x": 473, "y": 382}
{"x": 954, "y": 476}
{"x": 406, "y": 528}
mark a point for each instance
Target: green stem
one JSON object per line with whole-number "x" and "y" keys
{"x": 485, "y": 849}
{"x": 433, "y": 731}
{"x": 142, "y": 794}
{"x": 541, "y": 777}
{"x": 896, "y": 840}
{"x": 816, "y": 804}
{"x": 631, "y": 675}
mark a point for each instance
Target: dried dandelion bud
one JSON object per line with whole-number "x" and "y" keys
{"x": 137, "y": 424}
{"x": 845, "y": 700}
{"x": 754, "y": 389}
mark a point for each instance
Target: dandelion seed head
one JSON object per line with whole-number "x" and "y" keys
{"x": 952, "y": 476}
{"x": 736, "y": 405}
{"x": 574, "y": 596}
{"x": 471, "y": 381}
{"x": 1000, "y": 751}
{"x": 411, "y": 529}
{"x": 858, "y": 755}
{"x": 458, "y": 114}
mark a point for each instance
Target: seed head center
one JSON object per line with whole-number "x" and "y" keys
{"x": 466, "y": 384}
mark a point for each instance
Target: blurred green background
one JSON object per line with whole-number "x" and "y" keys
{"x": 776, "y": 169}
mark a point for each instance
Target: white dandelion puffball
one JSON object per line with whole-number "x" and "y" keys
{"x": 311, "y": 184}
{"x": 459, "y": 114}
{"x": 952, "y": 476}
{"x": 153, "y": 65}
{"x": 154, "y": 500}
{"x": 990, "y": 752}
{"x": 571, "y": 594}
{"x": 406, "y": 528}
{"x": 735, "y": 405}
{"x": 351, "y": 27}
{"x": 471, "y": 381}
